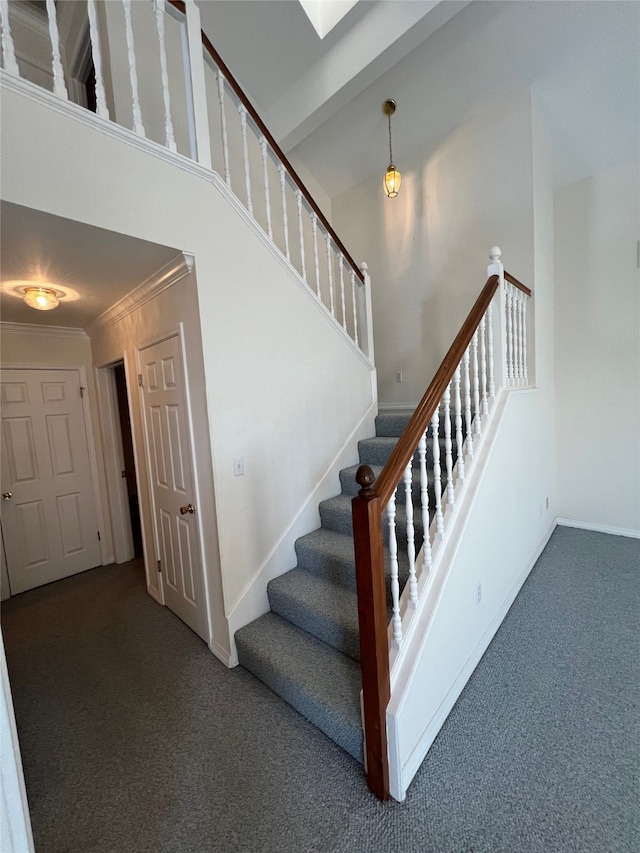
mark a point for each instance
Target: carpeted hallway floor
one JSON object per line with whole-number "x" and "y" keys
{"x": 135, "y": 738}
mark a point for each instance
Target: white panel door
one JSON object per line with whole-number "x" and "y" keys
{"x": 49, "y": 518}
{"x": 175, "y": 516}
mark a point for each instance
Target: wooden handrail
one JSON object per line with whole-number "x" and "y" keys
{"x": 367, "y": 509}
{"x": 233, "y": 83}
{"x": 512, "y": 280}
{"x": 404, "y": 449}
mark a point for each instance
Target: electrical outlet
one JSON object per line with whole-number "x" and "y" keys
{"x": 238, "y": 466}
{"x": 479, "y": 593}
{"x": 399, "y": 376}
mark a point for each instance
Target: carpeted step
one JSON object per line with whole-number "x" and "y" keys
{"x": 350, "y": 486}
{"x": 322, "y": 608}
{"x": 321, "y": 683}
{"x": 376, "y": 451}
{"x": 335, "y": 514}
{"x": 392, "y": 423}
{"x": 329, "y": 555}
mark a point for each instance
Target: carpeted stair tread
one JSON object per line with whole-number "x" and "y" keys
{"x": 393, "y": 423}
{"x": 319, "y": 682}
{"x": 324, "y": 609}
{"x": 329, "y": 554}
{"x": 376, "y": 451}
{"x": 335, "y": 514}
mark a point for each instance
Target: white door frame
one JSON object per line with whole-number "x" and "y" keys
{"x": 113, "y": 455}
{"x": 91, "y": 441}
{"x": 113, "y": 458}
{"x": 158, "y": 338}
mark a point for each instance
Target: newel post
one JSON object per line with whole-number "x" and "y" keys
{"x": 372, "y": 619}
{"x": 367, "y": 313}
{"x": 198, "y": 86}
{"x": 499, "y": 318}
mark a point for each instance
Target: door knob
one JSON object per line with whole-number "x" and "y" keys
{"x": 6, "y": 496}
{"x": 189, "y": 508}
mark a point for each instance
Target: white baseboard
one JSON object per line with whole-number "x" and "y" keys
{"x": 599, "y": 528}
{"x": 396, "y": 407}
{"x": 437, "y": 721}
{"x": 229, "y": 659}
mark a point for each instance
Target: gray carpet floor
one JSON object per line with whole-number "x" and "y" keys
{"x": 135, "y": 738}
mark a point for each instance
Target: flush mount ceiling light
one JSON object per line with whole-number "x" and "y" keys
{"x": 392, "y": 177}
{"x": 41, "y": 298}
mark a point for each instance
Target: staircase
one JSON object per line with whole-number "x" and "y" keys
{"x": 307, "y": 648}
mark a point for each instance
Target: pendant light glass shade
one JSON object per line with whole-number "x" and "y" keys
{"x": 42, "y": 298}
{"x": 392, "y": 181}
{"x": 392, "y": 177}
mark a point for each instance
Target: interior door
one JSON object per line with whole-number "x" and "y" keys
{"x": 169, "y": 454}
{"x": 49, "y": 518}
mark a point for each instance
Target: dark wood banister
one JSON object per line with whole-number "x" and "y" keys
{"x": 233, "y": 83}
{"x": 518, "y": 284}
{"x": 367, "y": 508}
{"x": 405, "y": 448}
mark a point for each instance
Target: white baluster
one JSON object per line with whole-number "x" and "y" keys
{"x": 448, "y": 447}
{"x": 509, "y": 335}
{"x": 424, "y": 501}
{"x": 516, "y": 337}
{"x": 8, "y": 49}
{"x": 133, "y": 75}
{"x": 477, "y": 414}
{"x": 458, "y": 421}
{"x": 285, "y": 218}
{"x": 524, "y": 340}
{"x": 170, "y": 141}
{"x": 352, "y": 277}
{"x": 301, "y": 232}
{"x": 96, "y": 52}
{"x": 316, "y": 260}
{"x": 467, "y": 406}
{"x": 395, "y": 586}
{"x": 245, "y": 152}
{"x": 59, "y": 86}
{"x": 330, "y": 269}
{"x": 342, "y": 301}
{"x": 267, "y": 193}
{"x": 411, "y": 536}
{"x": 437, "y": 472}
{"x": 520, "y": 307}
{"x": 492, "y": 382}
{"x": 223, "y": 126}
{"x": 484, "y": 405}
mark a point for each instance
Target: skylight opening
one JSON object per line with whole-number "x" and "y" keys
{"x": 325, "y": 14}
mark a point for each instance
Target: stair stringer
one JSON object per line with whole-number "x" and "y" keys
{"x": 254, "y": 601}
{"x": 494, "y": 538}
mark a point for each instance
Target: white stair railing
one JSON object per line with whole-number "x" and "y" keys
{"x": 174, "y": 78}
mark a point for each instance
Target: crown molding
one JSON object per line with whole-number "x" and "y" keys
{"x": 42, "y": 331}
{"x": 173, "y": 271}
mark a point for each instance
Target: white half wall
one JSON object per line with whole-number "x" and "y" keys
{"x": 598, "y": 349}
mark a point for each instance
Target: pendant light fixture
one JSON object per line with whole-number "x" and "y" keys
{"x": 41, "y": 298}
{"x": 392, "y": 177}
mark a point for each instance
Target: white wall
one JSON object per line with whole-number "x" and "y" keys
{"x": 46, "y": 346}
{"x": 598, "y": 350}
{"x": 427, "y": 249}
{"x": 509, "y": 514}
{"x": 284, "y": 387}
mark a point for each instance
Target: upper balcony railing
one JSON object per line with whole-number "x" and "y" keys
{"x": 147, "y": 66}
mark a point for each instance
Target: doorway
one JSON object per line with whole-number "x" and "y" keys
{"x": 128, "y": 457}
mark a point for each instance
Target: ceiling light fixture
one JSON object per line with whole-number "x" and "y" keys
{"x": 42, "y": 298}
{"x": 392, "y": 177}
